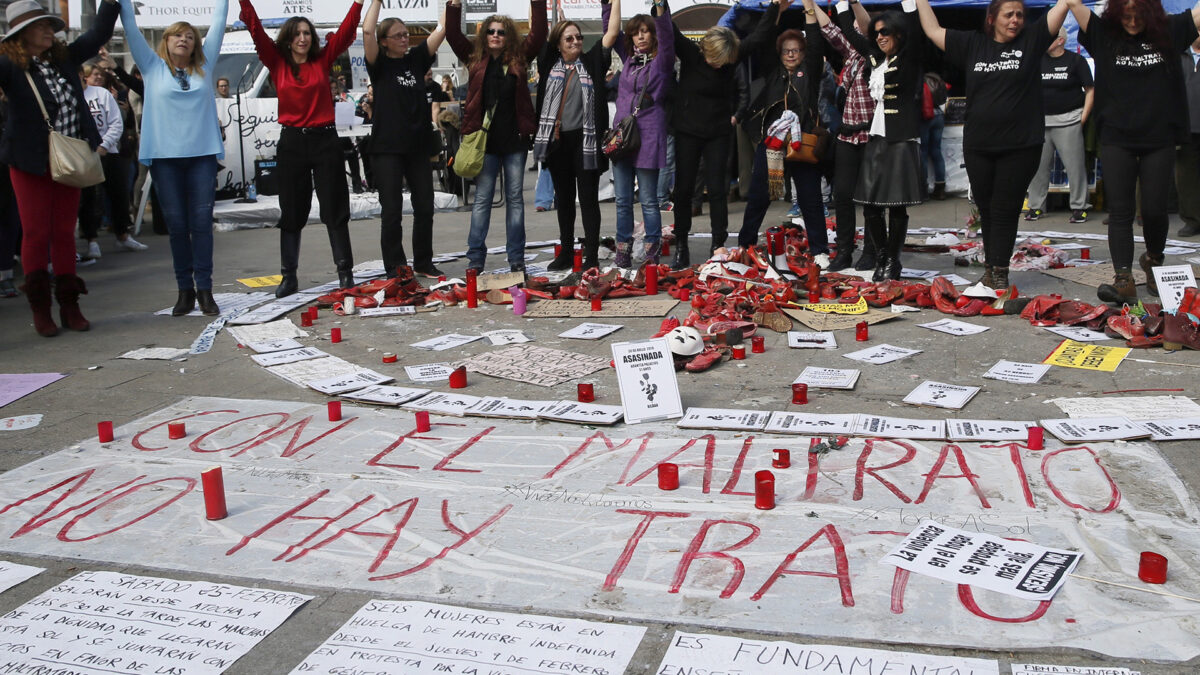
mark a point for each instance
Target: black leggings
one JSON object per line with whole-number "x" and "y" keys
{"x": 846, "y": 165}
{"x": 565, "y": 163}
{"x": 689, "y": 150}
{"x": 998, "y": 182}
{"x": 1124, "y": 170}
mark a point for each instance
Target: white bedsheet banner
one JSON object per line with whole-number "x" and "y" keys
{"x": 557, "y": 518}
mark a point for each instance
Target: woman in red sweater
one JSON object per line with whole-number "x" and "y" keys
{"x": 309, "y": 151}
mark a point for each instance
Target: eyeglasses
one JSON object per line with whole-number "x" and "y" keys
{"x": 791, "y": 51}
{"x": 398, "y": 36}
{"x": 884, "y": 31}
{"x": 573, "y": 38}
{"x": 496, "y": 31}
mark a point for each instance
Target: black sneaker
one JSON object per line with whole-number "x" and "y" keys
{"x": 429, "y": 272}
{"x": 517, "y": 268}
{"x": 1034, "y": 214}
{"x": 1078, "y": 216}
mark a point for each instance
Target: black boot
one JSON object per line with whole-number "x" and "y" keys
{"x": 897, "y": 231}
{"x": 682, "y": 259}
{"x": 185, "y": 303}
{"x": 343, "y": 257}
{"x": 866, "y": 261}
{"x": 842, "y": 259}
{"x": 591, "y": 246}
{"x": 208, "y": 306}
{"x": 876, "y": 228}
{"x": 718, "y": 240}
{"x": 289, "y": 260}
{"x": 939, "y": 192}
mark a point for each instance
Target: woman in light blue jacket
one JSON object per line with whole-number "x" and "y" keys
{"x": 181, "y": 143}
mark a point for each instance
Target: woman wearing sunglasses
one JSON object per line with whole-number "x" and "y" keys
{"x": 181, "y": 143}
{"x": 497, "y": 64}
{"x": 401, "y": 136}
{"x": 573, "y": 119}
{"x": 309, "y": 151}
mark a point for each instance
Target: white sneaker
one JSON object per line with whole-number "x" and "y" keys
{"x": 821, "y": 260}
{"x": 94, "y": 250}
{"x": 130, "y": 244}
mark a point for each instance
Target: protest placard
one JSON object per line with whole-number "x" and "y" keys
{"x": 723, "y": 419}
{"x": 646, "y": 377}
{"x": 1072, "y": 354}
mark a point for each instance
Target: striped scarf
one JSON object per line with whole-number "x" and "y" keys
{"x": 552, "y": 106}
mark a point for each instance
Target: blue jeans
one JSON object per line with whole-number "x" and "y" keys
{"x": 666, "y": 175}
{"x": 806, "y": 186}
{"x": 514, "y": 209}
{"x": 187, "y": 189}
{"x": 543, "y": 190}
{"x": 931, "y": 148}
{"x": 623, "y": 173}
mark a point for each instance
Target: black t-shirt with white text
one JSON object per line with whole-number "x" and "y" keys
{"x": 402, "y": 118}
{"x": 1140, "y": 97}
{"x": 1004, "y": 93}
{"x": 1063, "y": 80}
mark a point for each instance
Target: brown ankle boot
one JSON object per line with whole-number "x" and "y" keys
{"x": 999, "y": 278}
{"x": 1123, "y": 290}
{"x": 67, "y": 289}
{"x": 989, "y": 276}
{"x": 1148, "y": 262}
{"x": 37, "y": 290}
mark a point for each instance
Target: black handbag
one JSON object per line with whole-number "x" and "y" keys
{"x": 624, "y": 140}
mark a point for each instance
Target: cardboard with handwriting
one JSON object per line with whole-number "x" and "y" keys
{"x": 646, "y": 376}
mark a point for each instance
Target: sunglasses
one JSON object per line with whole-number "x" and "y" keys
{"x": 884, "y": 31}
{"x": 496, "y": 31}
{"x": 573, "y": 38}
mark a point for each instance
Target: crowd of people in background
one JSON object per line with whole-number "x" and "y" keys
{"x": 836, "y": 107}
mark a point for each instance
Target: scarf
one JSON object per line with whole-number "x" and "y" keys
{"x": 550, "y": 118}
{"x": 787, "y": 125}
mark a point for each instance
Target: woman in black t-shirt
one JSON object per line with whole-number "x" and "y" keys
{"x": 1005, "y": 127}
{"x": 401, "y": 136}
{"x": 1142, "y": 109}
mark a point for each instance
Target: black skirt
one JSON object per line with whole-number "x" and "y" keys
{"x": 890, "y": 173}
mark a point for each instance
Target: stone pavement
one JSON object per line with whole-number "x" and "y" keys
{"x": 126, "y": 289}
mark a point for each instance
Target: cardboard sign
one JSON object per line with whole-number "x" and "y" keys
{"x": 490, "y": 282}
{"x": 1174, "y": 429}
{"x": 499, "y": 338}
{"x": 619, "y": 307}
{"x": 542, "y": 366}
{"x": 340, "y": 384}
{"x": 941, "y": 395}
{"x": 1172, "y": 280}
{"x": 646, "y": 377}
{"x": 1092, "y": 275}
{"x": 1015, "y": 371}
{"x": 859, "y": 307}
{"x": 1095, "y": 429}
{"x": 1071, "y": 354}
{"x": 829, "y": 378}
{"x": 826, "y": 322}
{"x": 725, "y": 420}
{"x": 880, "y": 354}
{"x": 1130, "y": 407}
{"x": 987, "y": 430}
{"x": 288, "y": 356}
{"x": 444, "y": 404}
{"x": 496, "y": 406}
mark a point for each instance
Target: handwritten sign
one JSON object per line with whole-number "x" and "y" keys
{"x": 646, "y": 376}
{"x": 421, "y": 637}
{"x": 111, "y": 622}
{"x": 1048, "y": 669}
{"x": 1129, "y": 407}
{"x": 1015, "y": 371}
{"x": 1072, "y": 354}
{"x": 1017, "y": 568}
{"x": 699, "y": 653}
{"x": 801, "y": 340}
{"x": 880, "y": 354}
{"x": 620, "y": 307}
{"x": 394, "y": 310}
{"x": 859, "y": 307}
{"x": 281, "y": 329}
{"x": 719, "y": 418}
{"x": 941, "y": 395}
{"x": 825, "y": 322}
{"x": 429, "y": 372}
{"x": 542, "y": 366}
{"x": 269, "y": 281}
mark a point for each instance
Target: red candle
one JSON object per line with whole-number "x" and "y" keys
{"x": 472, "y": 288}
{"x": 668, "y": 476}
{"x": 586, "y": 393}
{"x": 799, "y": 393}
{"x": 176, "y": 430}
{"x": 1152, "y": 568}
{"x": 105, "y": 431}
{"x": 758, "y": 344}
{"x": 666, "y": 247}
{"x": 861, "y": 331}
{"x": 783, "y": 458}
{"x": 685, "y": 295}
{"x": 335, "y": 410}
{"x": 389, "y": 357}
{"x": 577, "y": 261}
{"x": 1085, "y": 254}
{"x": 335, "y": 335}
{"x": 306, "y": 319}
{"x": 214, "y": 493}
{"x": 312, "y": 312}
{"x": 739, "y": 352}
{"x": 458, "y": 378}
{"x": 596, "y": 303}
{"x": 1036, "y": 439}
{"x": 764, "y": 490}
{"x": 422, "y": 421}
{"x": 651, "y": 279}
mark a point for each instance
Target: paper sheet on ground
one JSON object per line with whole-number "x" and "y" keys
{"x": 444, "y": 403}
{"x": 899, "y": 427}
{"x": 1016, "y": 371}
{"x": 421, "y": 637}
{"x": 954, "y": 327}
{"x": 810, "y": 424}
{"x": 277, "y": 308}
{"x": 583, "y": 413}
{"x": 302, "y": 373}
{"x": 488, "y": 282}
{"x": 510, "y": 408}
{"x": 499, "y": 338}
{"x": 16, "y": 385}
{"x": 288, "y": 356}
{"x": 340, "y": 384}
{"x": 800, "y": 340}
{"x": 1078, "y": 333}
{"x": 880, "y": 354}
{"x": 542, "y": 366}
{"x": 266, "y": 332}
{"x": 701, "y": 653}
{"x": 20, "y": 422}
{"x": 828, "y": 378}
{"x": 12, "y": 573}
{"x": 826, "y": 322}
{"x": 1072, "y": 354}
{"x": 1129, "y": 407}
{"x": 1092, "y": 275}
{"x": 1173, "y": 429}
{"x": 228, "y": 302}
{"x": 114, "y": 619}
{"x": 444, "y": 342}
{"x": 590, "y": 331}
{"x": 394, "y": 310}
{"x": 429, "y": 372}
{"x": 1095, "y": 429}
{"x": 385, "y": 394}
{"x": 1172, "y": 280}
{"x": 609, "y": 307}
{"x": 154, "y": 354}
{"x": 724, "y": 419}
{"x": 1013, "y": 567}
{"x": 987, "y": 430}
{"x": 269, "y": 346}
{"x": 941, "y": 395}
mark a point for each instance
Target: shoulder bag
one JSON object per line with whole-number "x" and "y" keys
{"x": 624, "y": 140}
{"x": 72, "y": 160}
{"x": 468, "y": 161}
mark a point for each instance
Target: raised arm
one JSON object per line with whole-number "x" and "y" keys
{"x": 763, "y": 33}
{"x": 611, "y": 13}
{"x": 1083, "y": 15}
{"x": 370, "y": 23}
{"x": 438, "y": 35}
{"x": 88, "y": 45}
{"x": 929, "y": 24}
{"x": 821, "y": 16}
{"x": 263, "y": 45}
{"x": 539, "y": 28}
{"x": 343, "y": 37}
{"x": 458, "y": 42}
{"x": 664, "y": 61}
{"x": 142, "y": 53}
{"x": 216, "y": 31}
{"x": 861, "y": 17}
{"x": 1056, "y": 16}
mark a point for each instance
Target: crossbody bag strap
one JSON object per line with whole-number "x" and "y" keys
{"x": 637, "y": 107}
{"x": 38, "y": 95}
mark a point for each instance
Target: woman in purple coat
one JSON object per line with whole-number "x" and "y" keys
{"x": 649, "y": 66}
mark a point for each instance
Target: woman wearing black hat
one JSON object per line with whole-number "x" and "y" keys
{"x": 31, "y": 56}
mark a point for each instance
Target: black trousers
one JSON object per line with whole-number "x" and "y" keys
{"x": 565, "y": 163}
{"x": 306, "y": 159}
{"x": 1124, "y": 170}
{"x": 689, "y": 151}
{"x": 998, "y": 182}
{"x": 846, "y": 166}
{"x": 391, "y": 172}
{"x": 116, "y": 186}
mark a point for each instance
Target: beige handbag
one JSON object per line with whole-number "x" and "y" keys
{"x": 72, "y": 160}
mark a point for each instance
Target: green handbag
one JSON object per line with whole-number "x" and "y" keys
{"x": 468, "y": 161}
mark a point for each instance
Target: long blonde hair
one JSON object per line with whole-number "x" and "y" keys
{"x": 196, "y": 63}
